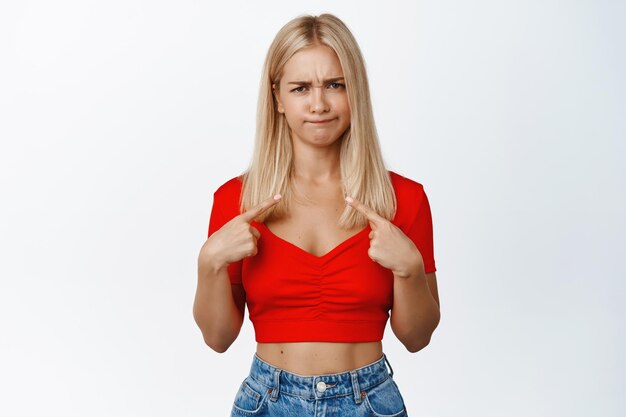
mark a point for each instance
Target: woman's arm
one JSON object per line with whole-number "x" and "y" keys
{"x": 415, "y": 313}
{"x": 218, "y": 307}
{"x": 219, "y": 304}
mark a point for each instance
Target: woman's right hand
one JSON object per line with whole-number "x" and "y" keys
{"x": 235, "y": 240}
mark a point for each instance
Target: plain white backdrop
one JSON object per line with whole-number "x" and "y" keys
{"x": 119, "y": 119}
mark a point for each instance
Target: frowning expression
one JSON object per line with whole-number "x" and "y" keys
{"x": 312, "y": 96}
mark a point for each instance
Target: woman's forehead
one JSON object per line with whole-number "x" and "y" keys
{"x": 313, "y": 64}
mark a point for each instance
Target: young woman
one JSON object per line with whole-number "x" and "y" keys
{"x": 319, "y": 239}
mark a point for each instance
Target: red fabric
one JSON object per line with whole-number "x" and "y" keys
{"x": 341, "y": 296}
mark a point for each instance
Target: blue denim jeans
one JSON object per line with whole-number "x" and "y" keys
{"x": 369, "y": 391}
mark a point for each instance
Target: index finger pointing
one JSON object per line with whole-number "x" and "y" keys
{"x": 366, "y": 210}
{"x": 254, "y": 212}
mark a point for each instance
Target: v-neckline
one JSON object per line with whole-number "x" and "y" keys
{"x": 309, "y": 254}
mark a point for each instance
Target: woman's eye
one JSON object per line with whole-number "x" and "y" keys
{"x": 333, "y": 86}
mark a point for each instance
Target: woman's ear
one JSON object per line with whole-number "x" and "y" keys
{"x": 276, "y": 93}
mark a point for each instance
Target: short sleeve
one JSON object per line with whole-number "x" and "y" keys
{"x": 421, "y": 231}
{"x": 222, "y": 212}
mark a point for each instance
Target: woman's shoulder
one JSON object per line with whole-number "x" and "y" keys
{"x": 228, "y": 194}
{"x": 410, "y": 197}
{"x": 231, "y": 187}
{"x": 404, "y": 185}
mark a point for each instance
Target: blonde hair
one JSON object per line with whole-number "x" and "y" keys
{"x": 363, "y": 172}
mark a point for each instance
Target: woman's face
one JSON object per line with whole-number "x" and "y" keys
{"x": 312, "y": 89}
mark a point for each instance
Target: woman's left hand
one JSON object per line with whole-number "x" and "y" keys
{"x": 389, "y": 246}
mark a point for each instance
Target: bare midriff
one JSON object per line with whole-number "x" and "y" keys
{"x": 318, "y": 358}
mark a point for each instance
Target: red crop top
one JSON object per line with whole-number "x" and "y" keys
{"x": 341, "y": 296}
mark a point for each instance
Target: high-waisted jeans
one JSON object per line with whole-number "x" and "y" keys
{"x": 368, "y": 391}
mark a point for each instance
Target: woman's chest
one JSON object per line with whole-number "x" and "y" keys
{"x": 312, "y": 229}
{"x": 282, "y": 274}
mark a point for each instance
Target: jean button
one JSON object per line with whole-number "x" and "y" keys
{"x": 321, "y": 386}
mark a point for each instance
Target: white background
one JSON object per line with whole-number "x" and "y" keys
{"x": 118, "y": 120}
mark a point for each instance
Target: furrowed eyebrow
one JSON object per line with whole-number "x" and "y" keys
{"x": 309, "y": 83}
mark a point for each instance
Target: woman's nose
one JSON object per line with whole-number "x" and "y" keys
{"x": 318, "y": 100}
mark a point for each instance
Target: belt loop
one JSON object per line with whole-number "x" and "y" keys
{"x": 355, "y": 387}
{"x": 388, "y": 364}
{"x": 276, "y": 388}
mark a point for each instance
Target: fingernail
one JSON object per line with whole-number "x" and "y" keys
{"x": 349, "y": 199}
{"x": 277, "y": 197}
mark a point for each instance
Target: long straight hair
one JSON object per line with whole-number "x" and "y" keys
{"x": 363, "y": 172}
